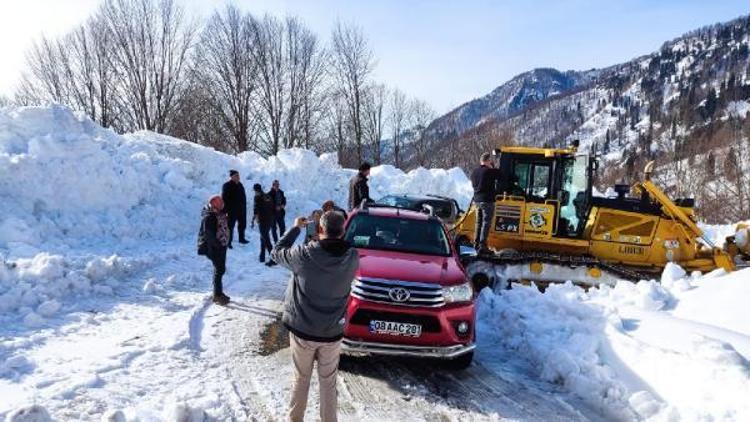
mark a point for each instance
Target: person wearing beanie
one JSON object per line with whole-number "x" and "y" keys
{"x": 213, "y": 238}
{"x": 263, "y": 213}
{"x": 358, "y": 189}
{"x": 235, "y": 204}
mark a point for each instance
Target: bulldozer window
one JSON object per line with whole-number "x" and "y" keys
{"x": 520, "y": 179}
{"x": 573, "y": 196}
{"x": 531, "y": 180}
{"x": 541, "y": 181}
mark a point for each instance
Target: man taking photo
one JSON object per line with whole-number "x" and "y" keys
{"x": 314, "y": 308}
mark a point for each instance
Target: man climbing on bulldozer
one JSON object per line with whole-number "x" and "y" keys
{"x": 484, "y": 179}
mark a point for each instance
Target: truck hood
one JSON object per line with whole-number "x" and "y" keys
{"x": 410, "y": 267}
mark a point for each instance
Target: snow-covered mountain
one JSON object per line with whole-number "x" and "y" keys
{"x": 507, "y": 100}
{"x": 686, "y": 102}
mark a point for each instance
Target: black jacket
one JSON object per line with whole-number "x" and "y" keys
{"x": 263, "y": 208}
{"x": 484, "y": 180}
{"x": 234, "y": 198}
{"x": 208, "y": 243}
{"x": 358, "y": 191}
{"x": 318, "y": 291}
{"x": 279, "y": 199}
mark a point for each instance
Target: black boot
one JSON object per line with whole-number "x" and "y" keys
{"x": 271, "y": 263}
{"x": 221, "y": 299}
{"x": 244, "y": 241}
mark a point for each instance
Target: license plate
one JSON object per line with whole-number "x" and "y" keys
{"x": 395, "y": 328}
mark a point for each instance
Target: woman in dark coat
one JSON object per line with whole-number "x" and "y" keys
{"x": 213, "y": 239}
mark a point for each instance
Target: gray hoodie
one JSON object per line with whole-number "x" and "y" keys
{"x": 318, "y": 291}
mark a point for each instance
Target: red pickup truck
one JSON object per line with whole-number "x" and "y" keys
{"x": 411, "y": 296}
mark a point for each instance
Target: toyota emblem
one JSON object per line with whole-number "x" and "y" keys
{"x": 399, "y": 294}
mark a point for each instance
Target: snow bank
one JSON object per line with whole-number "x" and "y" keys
{"x": 67, "y": 182}
{"x": 559, "y": 335}
{"x": 33, "y": 288}
{"x": 71, "y": 187}
{"x": 675, "y": 350}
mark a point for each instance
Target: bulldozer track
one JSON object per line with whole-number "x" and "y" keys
{"x": 572, "y": 261}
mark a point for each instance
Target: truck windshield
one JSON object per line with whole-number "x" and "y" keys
{"x": 426, "y": 237}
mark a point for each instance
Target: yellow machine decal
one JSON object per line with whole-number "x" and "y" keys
{"x": 539, "y": 219}
{"x": 508, "y": 219}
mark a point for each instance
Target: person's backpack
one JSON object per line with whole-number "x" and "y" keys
{"x": 202, "y": 243}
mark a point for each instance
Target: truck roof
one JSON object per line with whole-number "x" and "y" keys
{"x": 382, "y": 211}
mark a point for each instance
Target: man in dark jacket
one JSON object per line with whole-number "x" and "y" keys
{"x": 314, "y": 308}
{"x": 263, "y": 213}
{"x": 329, "y": 205}
{"x": 358, "y": 189}
{"x": 484, "y": 179}
{"x": 279, "y": 203}
{"x": 235, "y": 204}
{"x": 213, "y": 238}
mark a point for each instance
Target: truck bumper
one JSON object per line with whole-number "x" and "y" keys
{"x": 352, "y": 347}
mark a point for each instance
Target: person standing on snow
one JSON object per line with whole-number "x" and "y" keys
{"x": 213, "y": 238}
{"x": 235, "y": 201}
{"x": 314, "y": 308}
{"x": 279, "y": 203}
{"x": 358, "y": 189}
{"x": 483, "y": 179}
{"x": 263, "y": 213}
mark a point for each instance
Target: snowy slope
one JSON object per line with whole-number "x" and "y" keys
{"x": 105, "y": 313}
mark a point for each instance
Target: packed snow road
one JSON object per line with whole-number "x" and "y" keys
{"x": 253, "y": 343}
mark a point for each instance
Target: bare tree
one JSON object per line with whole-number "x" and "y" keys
{"x": 304, "y": 62}
{"x": 43, "y": 81}
{"x": 351, "y": 64}
{"x": 74, "y": 70}
{"x": 4, "y": 101}
{"x": 338, "y": 129}
{"x": 421, "y": 114}
{"x": 224, "y": 67}
{"x": 150, "y": 45}
{"x": 374, "y": 104}
{"x": 737, "y": 171}
{"x": 268, "y": 56}
{"x": 397, "y": 118}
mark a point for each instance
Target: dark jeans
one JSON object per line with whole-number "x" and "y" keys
{"x": 265, "y": 238}
{"x": 219, "y": 259}
{"x": 241, "y": 219}
{"x": 485, "y": 212}
{"x": 280, "y": 224}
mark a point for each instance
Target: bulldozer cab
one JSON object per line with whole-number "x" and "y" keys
{"x": 542, "y": 193}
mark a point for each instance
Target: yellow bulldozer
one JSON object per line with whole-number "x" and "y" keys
{"x": 549, "y": 227}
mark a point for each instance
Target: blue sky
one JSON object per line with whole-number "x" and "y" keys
{"x": 446, "y": 52}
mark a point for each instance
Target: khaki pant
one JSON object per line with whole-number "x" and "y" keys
{"x": 304, "y": 353}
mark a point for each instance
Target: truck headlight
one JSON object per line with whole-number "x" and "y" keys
{"x": 459, "y": 293}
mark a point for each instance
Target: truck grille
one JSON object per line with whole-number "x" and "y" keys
{"x": 395, "y": 292}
